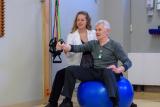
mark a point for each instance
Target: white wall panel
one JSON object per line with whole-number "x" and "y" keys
{"x": 145, "y": 69}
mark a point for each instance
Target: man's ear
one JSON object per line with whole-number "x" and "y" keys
{"x": 109, "y": 31}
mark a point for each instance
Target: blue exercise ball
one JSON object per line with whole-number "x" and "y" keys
{"x": 126, "y": 92}
{"x": 94, "y": 94}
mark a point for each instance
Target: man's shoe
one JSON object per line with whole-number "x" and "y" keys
{"x": 133, "y": 105}
{"x": 66, "y": 104}
{"x": 115, "y": 105}
{"x": 115, "y": 102}
{"x": 51, "y": 105}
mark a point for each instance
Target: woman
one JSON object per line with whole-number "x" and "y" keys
{"x": 81, "y": 33}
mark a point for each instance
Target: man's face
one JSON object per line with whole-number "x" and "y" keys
{"x": 101, "y": 31}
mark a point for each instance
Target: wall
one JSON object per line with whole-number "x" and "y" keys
{"x": 21, "y": 53}
{"x": 126, "y": 4}
{"x": 144, "y": 47}
{"x": 141, "y": 41}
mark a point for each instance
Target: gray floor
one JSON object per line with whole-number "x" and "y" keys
{"x": 147, "y": 99}
{"x": 142, "y": 99}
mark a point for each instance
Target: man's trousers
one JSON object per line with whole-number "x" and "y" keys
{"x": 107, "y": 76}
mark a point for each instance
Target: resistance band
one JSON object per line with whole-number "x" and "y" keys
{"x": 56, "y": 35}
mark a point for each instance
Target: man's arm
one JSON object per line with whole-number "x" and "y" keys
{"x": 77, "y": 48}
{"x": 122, "y": 56}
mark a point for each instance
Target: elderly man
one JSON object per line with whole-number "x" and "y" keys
{"x": 106, "y": 54}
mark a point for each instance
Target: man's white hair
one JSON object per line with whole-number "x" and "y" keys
{"x": 105, "y": 23}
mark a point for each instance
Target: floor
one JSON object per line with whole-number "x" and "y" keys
{"x": 147, "y": 99}
{"x": 142, "y": 99}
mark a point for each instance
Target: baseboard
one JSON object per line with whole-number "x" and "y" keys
{"x": 29, "y": 104}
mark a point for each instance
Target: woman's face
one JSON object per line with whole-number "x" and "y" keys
{"x": 81, "y": 21}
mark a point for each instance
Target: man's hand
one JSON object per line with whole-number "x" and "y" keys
{"x": 66, "y": 47}
{"x": 63, "y": 46}
{"x": 59, "y": 46}
{"x": 117, "y": 70}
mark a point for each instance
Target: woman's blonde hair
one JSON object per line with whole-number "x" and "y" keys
{"x": 88, "y": 26}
